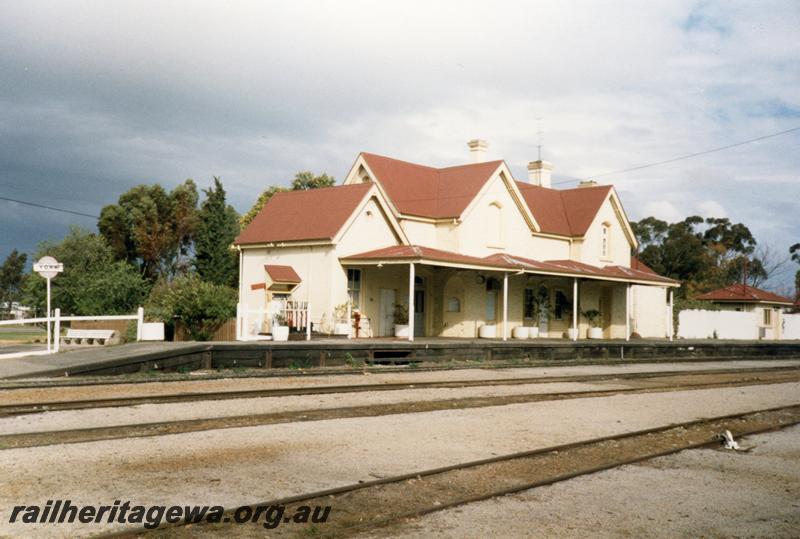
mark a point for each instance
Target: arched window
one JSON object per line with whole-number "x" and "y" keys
{"x": 605, "y": 241}
{"x": 495, "y": 225}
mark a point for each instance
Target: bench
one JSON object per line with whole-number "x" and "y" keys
{"x": 88, "y": 336}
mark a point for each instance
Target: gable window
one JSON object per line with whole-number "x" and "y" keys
{"x": 495, "y": 231}
{"x": 354, "y": 287}
{"x": 605, "y": 245}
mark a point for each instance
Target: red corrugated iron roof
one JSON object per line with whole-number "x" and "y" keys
{"x": 315, "y": 214}
{"x": 566, "y": 212}
{"x": 740, "y": 293}
{"x": 503, "y": 261}
{"x": 282, "y": 274}
{"x": 437, "y": 193}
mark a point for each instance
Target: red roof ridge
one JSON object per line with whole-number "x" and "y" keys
{"x": 740, "y": 292}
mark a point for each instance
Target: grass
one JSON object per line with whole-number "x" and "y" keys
{"x": 22, "y": 336}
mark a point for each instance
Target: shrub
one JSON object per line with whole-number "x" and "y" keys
{"x": 200, "y": 305}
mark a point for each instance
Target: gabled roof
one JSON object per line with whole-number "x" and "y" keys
{"x": 740, "y": 293}
{"x": 507, "y": 262}
{"x": 422, "y": 191}
{"x": 315, "y": 214}
{"x": 566, "y": 212}
{"x": 282, "y": 274}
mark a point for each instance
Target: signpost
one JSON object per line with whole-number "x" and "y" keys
{"x": 48, "y": 267}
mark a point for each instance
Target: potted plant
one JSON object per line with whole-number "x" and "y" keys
{"x": 280, "y": 331}
{"x": 341, "y": 325}
{"x": 487, "y": 331}
{"x": 593, "y": 317}
{"x": 520, "y": 332}
{"x": 400, "y": 320}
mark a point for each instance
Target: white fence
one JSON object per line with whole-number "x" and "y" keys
{"x": 252, "y": 323}
{"x": 791, "y": 326}
{"x": 54, "y": 322}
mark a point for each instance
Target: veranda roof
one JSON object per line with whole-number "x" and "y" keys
{"x": 401, "y": 254}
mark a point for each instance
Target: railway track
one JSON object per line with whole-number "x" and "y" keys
{"x": 385, "y": 502}
{"x": 79, "y": 404}
{"x": 140, "y": 430}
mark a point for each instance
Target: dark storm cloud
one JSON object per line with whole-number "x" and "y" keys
{"x": 96, "y": 97}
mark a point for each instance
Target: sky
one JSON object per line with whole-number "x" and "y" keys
{"x": 96, "y": 97}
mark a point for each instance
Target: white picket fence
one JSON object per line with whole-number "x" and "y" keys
{"x": 53, "y": 324}
{"x": 251, "y": 323}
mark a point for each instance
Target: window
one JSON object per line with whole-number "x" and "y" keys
{"x": 605, "y": 246}
{"x": 767, "y": 317}
{"x": 561, "y": 306}
{"x": 453, "y": 305}
{"x": 528, "y": 304}
{"x": 495, "y": 225}
{"x": 354, "y": 287}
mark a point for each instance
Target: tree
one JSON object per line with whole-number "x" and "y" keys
{"x": 11, "y": 279}
{"x": 217, "y": 228}
{"x": 303, "y": 181}
{"x": 200, "y": 305}
{"x": 152, "y": 228}
{"x": 93, "y": 281}
{"x": 702, "y": 253}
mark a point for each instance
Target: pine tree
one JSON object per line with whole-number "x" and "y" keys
{"x": 218, "y": 227}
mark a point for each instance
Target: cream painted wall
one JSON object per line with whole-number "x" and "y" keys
{"x": 591, "y": 247}
{"x": 420, "y": 233}
{"x": 324, "y": 280}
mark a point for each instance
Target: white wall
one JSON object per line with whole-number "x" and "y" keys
{"x": 650, "y": 311}
{"x": 791, "y": 326}
{"x": 700, "y": 324}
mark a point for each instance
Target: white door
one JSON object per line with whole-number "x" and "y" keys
{"x": 387, "y": 299}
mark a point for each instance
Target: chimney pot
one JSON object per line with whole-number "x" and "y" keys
{"x": 477, "y": 149}
{"x": 539, "y": 173}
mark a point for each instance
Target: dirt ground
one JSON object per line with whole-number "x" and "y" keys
{"x": 245, "y": 465}
{"x": 695, "y": 493}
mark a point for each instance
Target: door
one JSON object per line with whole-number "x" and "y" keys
{"x": 419, "y": 307}
{"x": 387, "y": 299}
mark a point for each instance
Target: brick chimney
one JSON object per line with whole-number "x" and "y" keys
{"x": 477, "y": 149}
{"x": 539, "y": 173}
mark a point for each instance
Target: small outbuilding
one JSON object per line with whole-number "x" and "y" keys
{"x": 768, "y": 307}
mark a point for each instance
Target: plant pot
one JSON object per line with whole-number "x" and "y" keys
{"x": 520, "y": 332}
{"x": 401, "y": 330}
{"x": 572, "y": 334}
{"x": 341, "y": 328}
{"x": 280, "y": 333}
{"x": 595, "y": 333}
{"x": 488, "y": 332}
{"x": 533, "y": 332}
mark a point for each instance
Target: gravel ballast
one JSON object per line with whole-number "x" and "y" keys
{"x": 244, "y": 465}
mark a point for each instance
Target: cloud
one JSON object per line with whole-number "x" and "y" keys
{"x": 96, "y": 98}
